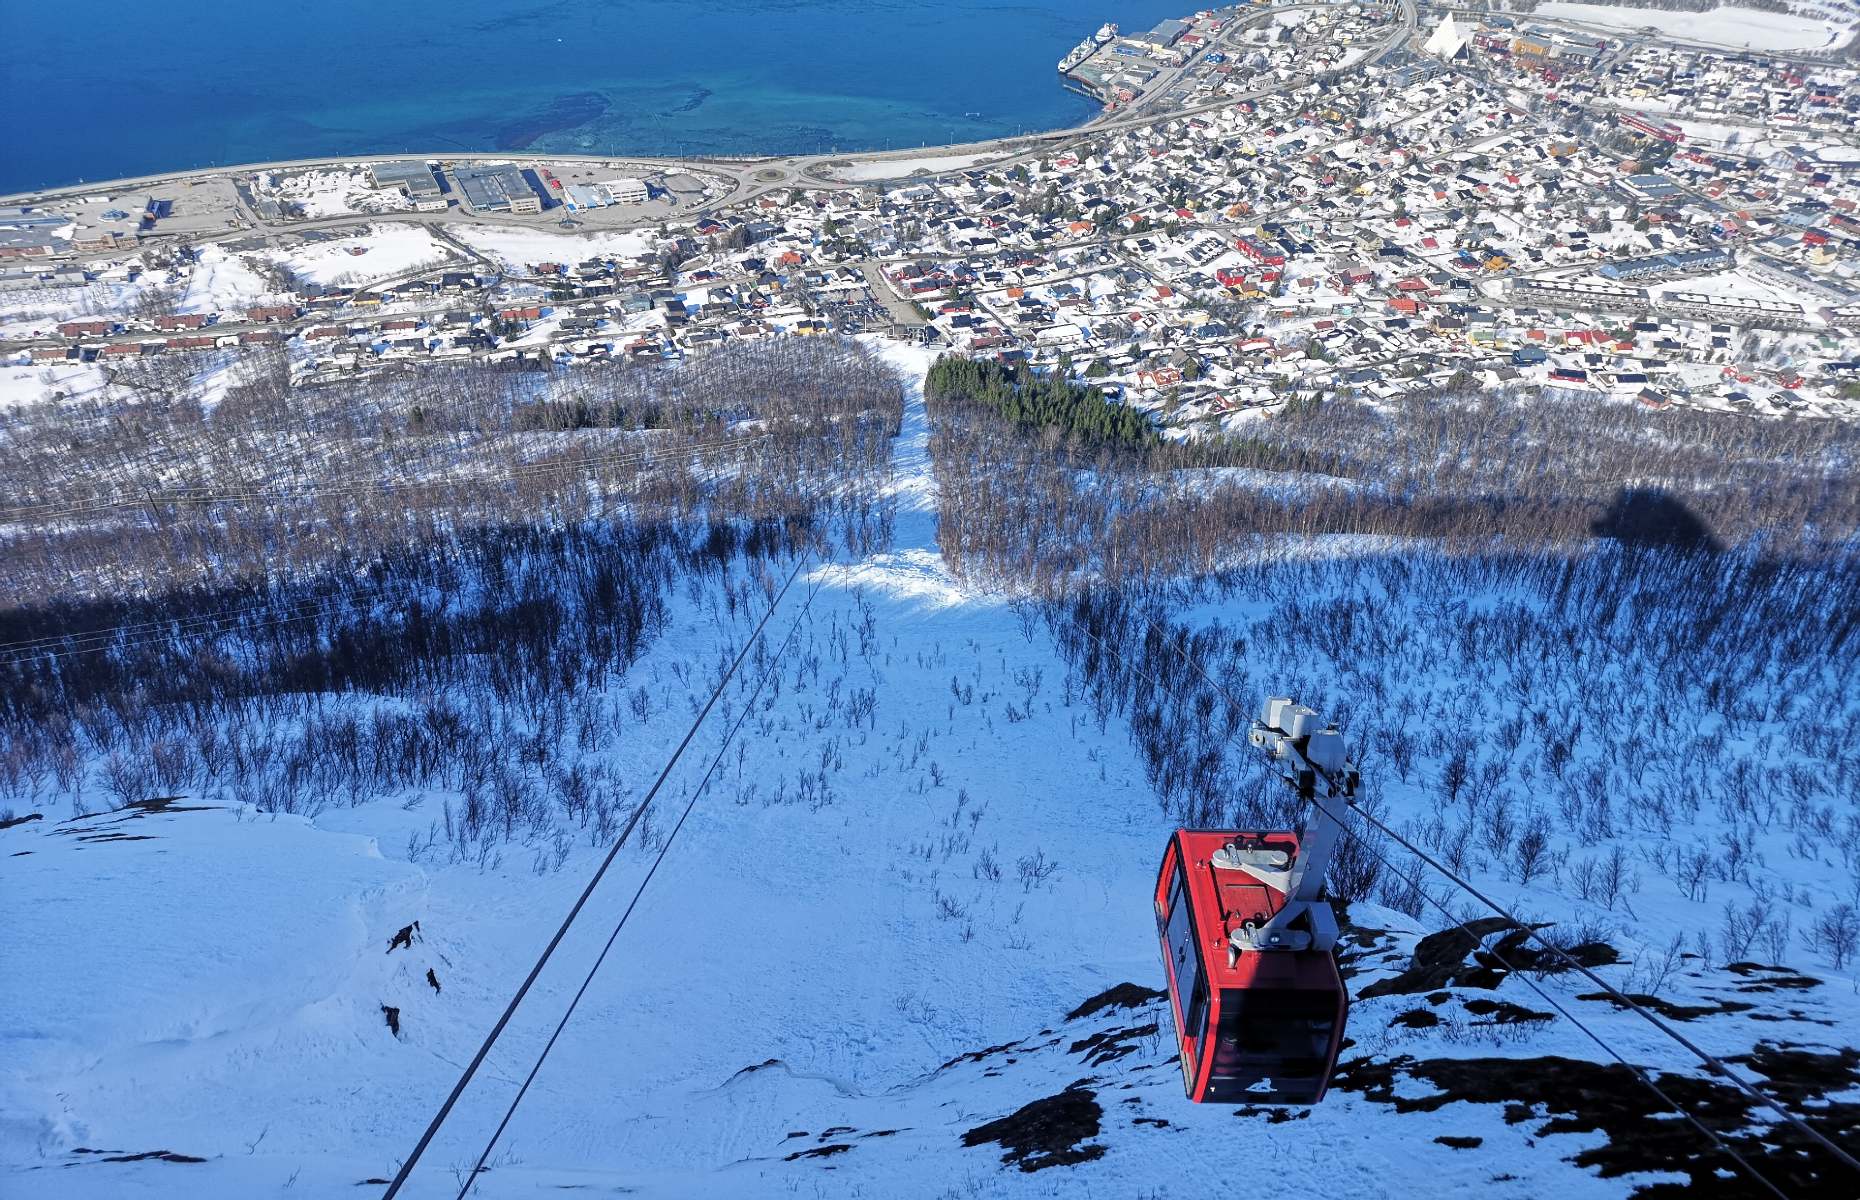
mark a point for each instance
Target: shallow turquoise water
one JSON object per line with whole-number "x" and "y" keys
{"x": 112, "y": 88}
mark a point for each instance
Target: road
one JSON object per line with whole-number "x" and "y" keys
{"x": 870, "y": 267}
{"x": 745, "y": 178}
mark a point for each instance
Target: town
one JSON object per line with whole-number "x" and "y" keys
{"x": 1276, "y": 204}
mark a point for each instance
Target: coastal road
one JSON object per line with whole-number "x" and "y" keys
{"x": 744, "y": 179}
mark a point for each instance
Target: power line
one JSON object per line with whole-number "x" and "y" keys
{"x": 23, "y": 650}
{"x": 471, "y": 1178}
{"x": 106, "y": 638}
{"x": 458, "y": 1089}
{"x": 38, "y": 649}
{"x": 1710, "y": 1060}
{"x": 1716, "y": 1065}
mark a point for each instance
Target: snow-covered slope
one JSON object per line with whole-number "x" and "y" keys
{"x": 902, "y": 948}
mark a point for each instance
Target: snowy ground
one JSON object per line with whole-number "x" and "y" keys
{"x": 27, "y": 383}
{"x": 333, "y": 192}
{"x": 898, "y": 168}
{"x": 373, "y": 254}
{"x": 824, "y": 989}
{"x": 226, "y": 283}
{"x": 1723, "y": 26}
{"x": 520, "y": 249}
{"x": 1737, "y": 285}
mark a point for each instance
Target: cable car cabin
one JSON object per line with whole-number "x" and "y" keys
{"x": 1255, "y": 1026}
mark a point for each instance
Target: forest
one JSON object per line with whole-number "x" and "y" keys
{"x": 1460, "y": 469}
{"x": 1605, "y": 658}
{"x": 1047, "y": 402}
{"x": 1589, "y": 623}
{"x": 486, "y": 550}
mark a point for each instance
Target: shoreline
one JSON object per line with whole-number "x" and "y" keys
{"x": 792, "y": 170}
{"x": 657, "y": 162}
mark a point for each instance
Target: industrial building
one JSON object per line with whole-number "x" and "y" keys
{"x": 579, "y": 197}
{"x": 415, "y": 180}
{"x": 1162, "y": 37}
{"x": 500, "y": 188}
{"x": 627, "y": 191}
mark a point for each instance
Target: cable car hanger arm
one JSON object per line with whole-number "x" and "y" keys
{"x": 1309, "y": 756}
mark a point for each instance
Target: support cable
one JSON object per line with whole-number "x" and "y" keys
{"x": 50, "y": 647}
{"x": 1715, "y": 1064}
{"x": 356, "y": 485}
{"x": 1639, "y": 1073}
{"x": 471, "y": 1069}
{"x": 471, "y": 1178}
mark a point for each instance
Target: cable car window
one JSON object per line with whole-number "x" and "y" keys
{"x": 1191, "y": 986}
{"x": 1274, "y": 1044}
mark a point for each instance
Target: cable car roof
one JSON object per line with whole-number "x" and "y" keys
{"x": 1222, "y": 899}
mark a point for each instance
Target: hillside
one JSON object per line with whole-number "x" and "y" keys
{"x": 903, "y": 945}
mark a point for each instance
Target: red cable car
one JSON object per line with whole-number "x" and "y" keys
{"x": 1247, "y": 942}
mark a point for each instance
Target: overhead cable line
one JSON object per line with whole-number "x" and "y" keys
{"x": 60, "y": 645}
{"x": 1639, "y": 1072}
{"x": 1716, "y": 1065}
{"x": 54, "y": 646}
{"x": 357, "y": 485}
{"x": 471, "y": 1177}
{"x": 471, "y": 1069}
{"x": 1677, "y": 1109}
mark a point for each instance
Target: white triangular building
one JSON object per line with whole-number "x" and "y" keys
{"x": 1447, "y": 41}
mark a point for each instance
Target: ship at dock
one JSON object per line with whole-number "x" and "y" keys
{"x": 1088, "y": 47}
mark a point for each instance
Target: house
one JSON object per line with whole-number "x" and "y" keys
{"x": 1259, "y": 252}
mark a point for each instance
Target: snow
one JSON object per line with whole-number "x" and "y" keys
{"x": 333, "y": 192}
{"x": 843, "y": 963}
{"x": 27, "y": 383}
{"x": 376, "y": 253}
{"x": 888, "y": 990}
{"x": 193, "y": 996}
{"x": 1735, "y": 285}
{"x": 1723, "y": 26}
{"x": 898, "y": 168}
{"x": 520, "y": 249}
{"x": 226, "y": 283}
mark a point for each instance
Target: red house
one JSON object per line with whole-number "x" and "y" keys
{"x": 1259, "y": 252}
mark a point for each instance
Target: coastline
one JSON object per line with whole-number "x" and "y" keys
{"x": 801, "y": 170}
{"x": 656, "y": 162}
{"x": 625, "y": 80}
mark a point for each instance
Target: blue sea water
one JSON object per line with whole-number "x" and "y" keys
{"x": 109, "y": 88}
